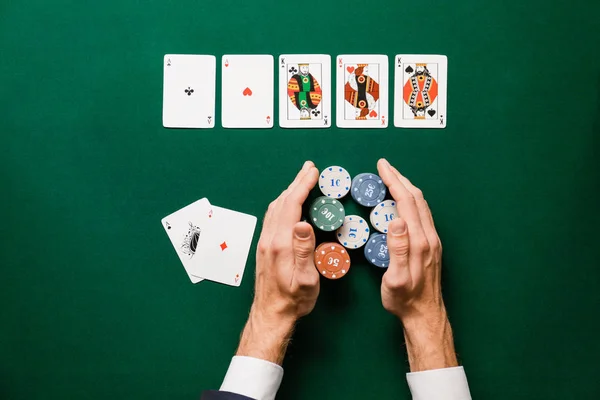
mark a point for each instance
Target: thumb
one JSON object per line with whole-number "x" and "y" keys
{"x": 304, "y": 245}
{"x": 398, "y": 247}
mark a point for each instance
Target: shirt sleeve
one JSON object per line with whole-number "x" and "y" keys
{"x": 439, "y": 384}
{"x": 253, "y": 377}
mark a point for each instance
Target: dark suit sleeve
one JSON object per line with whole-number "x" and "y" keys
{"x": 216, "y": 395}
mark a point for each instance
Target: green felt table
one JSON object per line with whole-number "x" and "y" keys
{"x": 94, "y": 302}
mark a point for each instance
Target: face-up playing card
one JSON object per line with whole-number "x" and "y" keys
{"x": 247, "y": 92}
{"x": 362, "y": 91}
{"x": 186, "y": 230}
{"x": 420, "y": 91}
{"x": 225, "y": 248}
{"x": 189, "y": 91}
{"x": 304, "y": 91}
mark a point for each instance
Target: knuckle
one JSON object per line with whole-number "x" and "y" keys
{"x": 395, "y": 283}
{"x": 417, "y": 193}
{"x": 263, "y": 247}
{"x": 310, "y": 281}
{"x": 389, "y": 307}
{"x": 434, "y": 246}
{"x": 278, "y": 246}
{"x": 422, "y": 245}
{"x": 316, "y": 279}
{"x": 426, "y": 206}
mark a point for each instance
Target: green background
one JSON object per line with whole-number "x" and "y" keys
{"x": 95, "y": 304}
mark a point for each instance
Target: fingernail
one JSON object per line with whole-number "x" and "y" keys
{"x": 305, "y": 164}
{"x": 399, "y": 228}
{"x": 302, "y": 234}
{"x": 385, "y": 162}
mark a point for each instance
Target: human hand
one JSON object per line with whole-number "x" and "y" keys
{"x": 287, "y": 282}
{"x": 411, "y": 287}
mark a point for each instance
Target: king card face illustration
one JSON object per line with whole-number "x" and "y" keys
{"x": 362, "y": 99}
{"x": 420, "y": 91}
{"x": 304, "y": 91}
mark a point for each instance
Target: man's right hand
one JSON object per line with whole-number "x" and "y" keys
{"x": 287, "y": 282}
{"x": 411, "y": 287}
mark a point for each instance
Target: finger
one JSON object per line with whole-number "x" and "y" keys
{"x": 304, "y": 247}
{"x": 267, "y": 229}
{"x": 275, "y": 205}
{"x": 290, "y": 208}
{"x": 398, "y": 273}
{"x": 406, "y": 205}
{"x": 305, "y": 167}
{"x": 422, "y": 206}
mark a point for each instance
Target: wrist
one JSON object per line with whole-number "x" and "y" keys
{"x": 429, "y": 341}
{"x": 266, "y": 336}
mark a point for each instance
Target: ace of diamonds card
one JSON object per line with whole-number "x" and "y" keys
{"x": 420, "y": 91}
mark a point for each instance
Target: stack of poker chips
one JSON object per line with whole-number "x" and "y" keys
{"x": 327, "y": 214}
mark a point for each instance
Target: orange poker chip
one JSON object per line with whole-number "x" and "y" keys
{"x": 332, "y": 260}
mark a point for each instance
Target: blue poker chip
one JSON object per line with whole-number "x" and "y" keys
{"x": 376, "y": 250}
{"x": 368, "y": 189}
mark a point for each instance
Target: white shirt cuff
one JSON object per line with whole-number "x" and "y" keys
{"x": 253, "y": 377}
{"x": 439, "y": 384}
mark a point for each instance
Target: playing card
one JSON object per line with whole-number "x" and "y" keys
{"x": 362, "y": 91}
{"x": 304, "y": 91}
{"x": 225, "y": 250}
{"x": 247, "y": 100}
{"x": 186, "y": 230}
{"x": 189, "y": 91}
{"x": 420, "y": 91}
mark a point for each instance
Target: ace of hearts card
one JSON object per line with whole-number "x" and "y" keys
{"x": 304, "y": 91}
{"x": 420, "y": 91}
{"x": 362, "y": 91}
{"x": 247, "y": 91}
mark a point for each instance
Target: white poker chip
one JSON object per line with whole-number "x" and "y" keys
{"x": 354, "y": 233}
{"x": 335, "y": 182}
{"x": 383, "y": 214}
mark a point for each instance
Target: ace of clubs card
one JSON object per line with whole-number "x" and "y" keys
{"x": 247, "y": 91}
{"x": 362, "y": 91}
{"x": 189, "y": 91}
{"x": 305, "y": 91}
{"x": 420, "y": 91}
